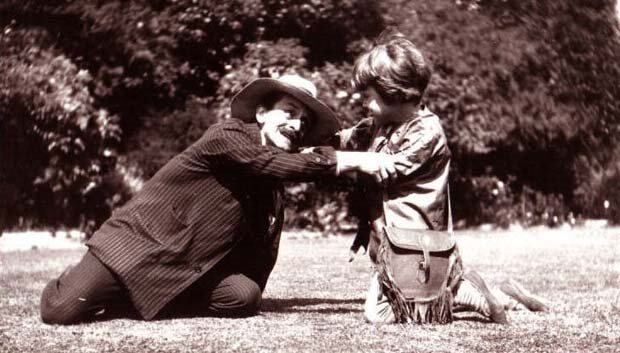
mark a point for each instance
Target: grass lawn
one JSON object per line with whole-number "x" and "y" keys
{"x": 313, "y": 303}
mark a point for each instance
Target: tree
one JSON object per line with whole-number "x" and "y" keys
{"x": 56, "y": 146}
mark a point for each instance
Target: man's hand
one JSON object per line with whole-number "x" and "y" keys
{"x": 383, "y": 167}
{"x": 361, "y": 238}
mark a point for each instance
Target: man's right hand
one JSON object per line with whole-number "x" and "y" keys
{"x": 381, "y": 166}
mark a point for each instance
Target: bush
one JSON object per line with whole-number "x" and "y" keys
{"x": 599, "y": 196}
{"x": 56, "y": 145}
{"x": 148, "y": 58}
{"x": 320, "y": 207}
{"x": 504, "y": 203}
{"x": 159, "y": 66}
{"x": 527, "y": 90}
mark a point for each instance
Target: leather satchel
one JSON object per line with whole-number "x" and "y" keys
{"x": 414, "y": 267}
{"x": 420, "y": 261}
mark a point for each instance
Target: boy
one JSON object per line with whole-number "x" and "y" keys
{"x": 395, "y": 74}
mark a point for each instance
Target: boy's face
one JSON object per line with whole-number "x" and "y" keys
{"x": 381, "y": 112}
{"x": 283, "y": 126}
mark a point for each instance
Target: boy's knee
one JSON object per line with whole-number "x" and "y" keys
{"x": 380, "y": 314}
{"x": 377, "y": 309}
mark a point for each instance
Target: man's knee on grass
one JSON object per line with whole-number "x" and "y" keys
{"x": 56, "y": 310}
{"x": 236, "y": 296}
{"x": 248, "y": 303}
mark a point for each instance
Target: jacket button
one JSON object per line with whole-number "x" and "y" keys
{"x": 317, "y": 159}
{"x": 197, "y": 269}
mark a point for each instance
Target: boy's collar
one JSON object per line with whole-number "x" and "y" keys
{"x": 419, "y": 111}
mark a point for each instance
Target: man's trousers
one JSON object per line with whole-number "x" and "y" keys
{"x": 89, "y": 291}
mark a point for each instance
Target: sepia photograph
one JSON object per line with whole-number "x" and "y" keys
{"x": 432, "y": 176}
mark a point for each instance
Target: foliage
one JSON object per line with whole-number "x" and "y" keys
{"x": 157, "y": 65}
{"x": 504, "y": 203}
{"x": 326, "y": 27}
{"x": 150, "y": 56}
{"x": 600, "y": 196}
{"x": 56, "y": 145}
{"x": 527, "y": 92}
{"x": 318, "y": 207}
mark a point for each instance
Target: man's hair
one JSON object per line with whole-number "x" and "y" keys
{"x": 395, "y": 68}
{"x": 270, "y": 99}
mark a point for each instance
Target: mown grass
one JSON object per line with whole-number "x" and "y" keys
{"x": 314, "y": 299}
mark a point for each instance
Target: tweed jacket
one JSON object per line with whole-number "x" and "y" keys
{"x": 220, "y": 194}
{"x": 416, "y": 199}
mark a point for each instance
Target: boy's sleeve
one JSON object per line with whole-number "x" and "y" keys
{"x": 422, "y": 146}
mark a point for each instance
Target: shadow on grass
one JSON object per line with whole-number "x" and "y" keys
{"x": 340, "y": 306}
{"x": 314, "y": 305}
{"x": 470, "y": 317}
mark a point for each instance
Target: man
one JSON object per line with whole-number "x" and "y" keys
{"x": 202, "y": 236}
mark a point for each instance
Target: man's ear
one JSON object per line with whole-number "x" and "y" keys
{"x": 261, "y": 117}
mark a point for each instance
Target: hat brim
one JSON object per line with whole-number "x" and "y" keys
{"x": 244, "y": 104}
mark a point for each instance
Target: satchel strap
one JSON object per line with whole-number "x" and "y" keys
{"x": 450, "y": 226}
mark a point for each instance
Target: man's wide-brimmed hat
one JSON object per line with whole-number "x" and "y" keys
{"x": 325, "y": 123}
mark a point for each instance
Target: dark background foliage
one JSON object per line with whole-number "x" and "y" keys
{"x": 97, "y": 95}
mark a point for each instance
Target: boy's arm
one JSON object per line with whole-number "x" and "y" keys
{"x": 420, "y": 148}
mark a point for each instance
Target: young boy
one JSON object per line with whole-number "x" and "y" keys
{"x": 395, "y": 74}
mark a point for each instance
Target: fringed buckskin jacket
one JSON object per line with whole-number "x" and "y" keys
{"x": 416, "y": 199}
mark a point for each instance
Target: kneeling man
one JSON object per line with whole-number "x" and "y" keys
{"x": 202, "y": 236}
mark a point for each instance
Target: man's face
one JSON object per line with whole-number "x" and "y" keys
{"x": 283, "y": 126}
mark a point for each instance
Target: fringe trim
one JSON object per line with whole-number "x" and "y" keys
{"x": 437, "y": 311}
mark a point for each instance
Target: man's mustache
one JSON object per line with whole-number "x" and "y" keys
{"x": 290, "y": 134}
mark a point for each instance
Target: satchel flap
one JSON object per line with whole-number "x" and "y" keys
{"x": 417, "y": 239}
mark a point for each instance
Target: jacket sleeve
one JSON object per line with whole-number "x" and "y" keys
{"x": 356, "y": 138}
{"x": 231, "y": 146}
{"x": 424, "y": 148}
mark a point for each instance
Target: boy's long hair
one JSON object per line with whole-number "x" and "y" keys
{"x": 394, "y": 67}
